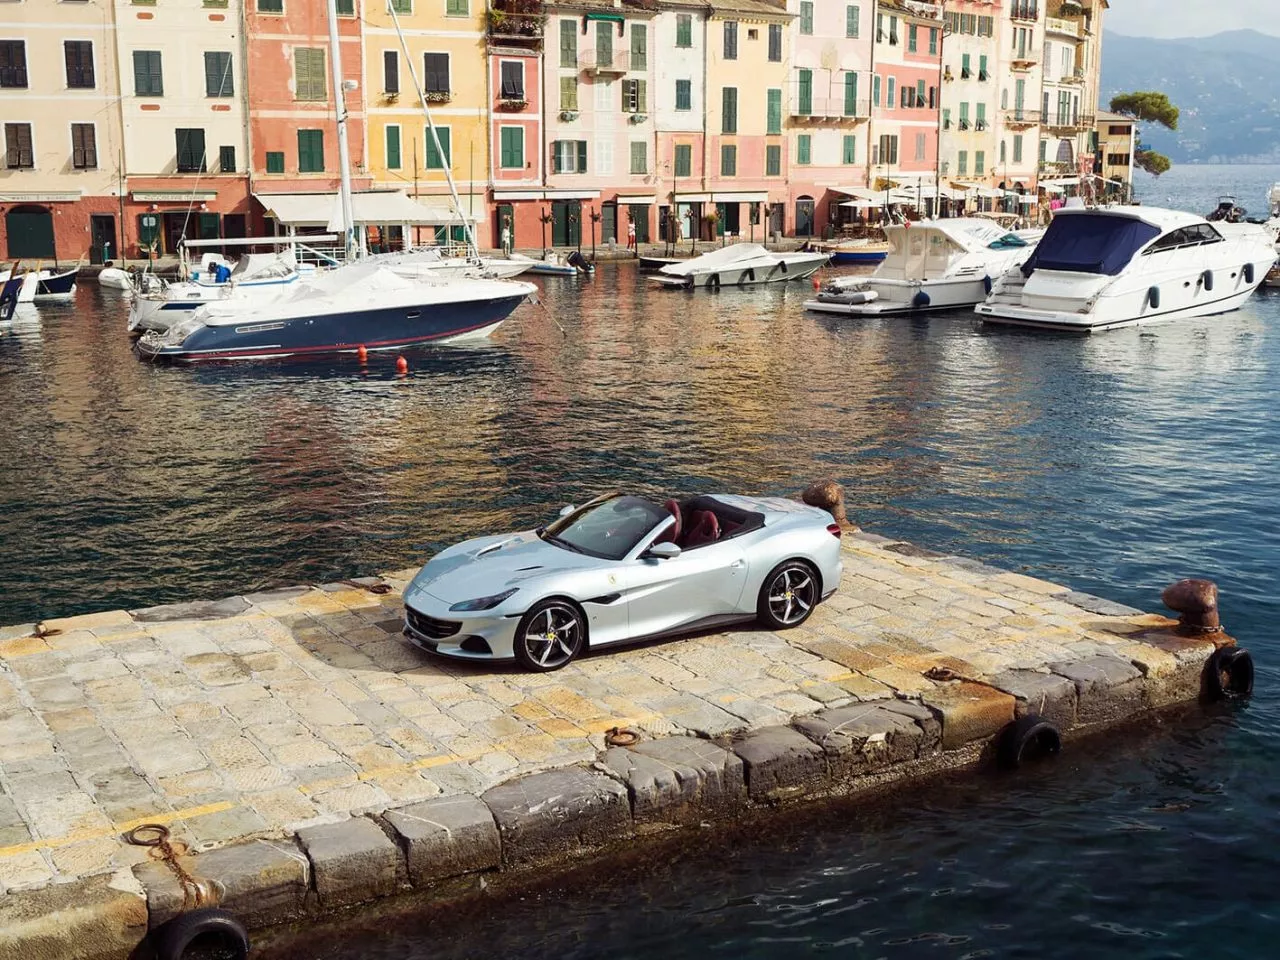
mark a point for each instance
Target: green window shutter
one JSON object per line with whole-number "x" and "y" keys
{"x": 802, "y": 148}
{"x": 913, "y": 38}
{"x": 684, "y": 30}
{"x": 805, "y": 102}
{"x": 964, "y": 66}
{"x": 569, "y": 93}
{"x": 309, "y": 67}
{"x": 275, "y": 161}
{"x": 875, "y": 89}
{"x": 639, "y": 157}
{"x": 433, "y": 156}
{"x": 773, "y": 161}
{"x": 964, "y": 113}
{"x": 728, "y": 161}
{"x": 642, "y": 96}
{"x": 982, "y": 67}
{"x": 190, "y": 150}
{"x": 684, "y": 160}
{"x": 729, "y": 110}
{"x": 217, "y": 74}
{"x": 919, "y": 93}
{"x": 310, "y": 151}
{"x": 852, "y": 16}
{"x": 933, "y": 41}
{"x": 226, "y": 159}
{"x": 850, "y": 148}
{"x": 582, "y": 156}
{"x": 568, "y": 43}
{"x": 639, "y": 46}
{"x": 513, "y": 147}
{"x": 850, "y": 94}
{"x": 963, "y": 167}
{"x": 346, "y": 8}
{"x": 393, "y": 148}
{"x": 979, "y": 163}
{"x": 684, "y": 94}
{"x": 806, "y": 17}
{"x": 604, "y": 42}
{"x": 1017, "y": 148}
{"x": 456, "y": 8}
{"x": 982, "y": 113}
{"x": 148, "y": 79}
{"x": 774, "y": 118}
{"x": 402, "y": 6}
{"x": 271, "y": 6}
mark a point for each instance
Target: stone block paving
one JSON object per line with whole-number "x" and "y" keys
{"x": 280, "y": 712}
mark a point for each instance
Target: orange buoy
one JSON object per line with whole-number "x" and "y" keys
{"x": 402, "y": 365}
{"x": 361, "y": 353}
{"x": 817, "y": 282}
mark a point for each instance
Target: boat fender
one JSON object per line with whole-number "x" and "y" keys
{"x": 1248, "y": 273}
{"x": 713, "y": 282}
{"x": 986, "y": 284}
{"x": 1027, "y": 738}
{"x": 199, "y": 933}
{"x": 748, "y": 276}
{"x": 1206, "y": 279}
{"x": 920, "y": 300}
{"x": 1153, "y": 298}
{"x": 1228, "y": 674}
{"x": 783, "y": 265}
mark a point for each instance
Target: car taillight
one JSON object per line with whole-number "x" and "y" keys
{"x": 834, "y": 530}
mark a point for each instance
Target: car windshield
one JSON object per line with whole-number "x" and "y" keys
{"x": 608, "y": 528}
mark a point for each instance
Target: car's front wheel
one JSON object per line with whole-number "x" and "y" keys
{"x": 550, "y": 636}
{"x": 788, "y": 595}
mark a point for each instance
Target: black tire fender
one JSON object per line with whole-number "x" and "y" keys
{"x": 1228, "y": 674}
{"x": 1025, "y": 738}
{"x": 206, "y": 927}
{"x": 748, "y": 276}
{"x": 713, "y": 282}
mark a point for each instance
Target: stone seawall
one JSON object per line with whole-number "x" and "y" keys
{"x": 306, "y": 759}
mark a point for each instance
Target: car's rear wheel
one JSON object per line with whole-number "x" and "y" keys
{"x": 550, "y": 636}
{"x": 788, "y": 595}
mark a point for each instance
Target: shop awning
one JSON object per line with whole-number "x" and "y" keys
{"x": 548, "y": 194}
{"x": 742, "y": 196}
{"x": 323, "y": 210}
{"x": 637, "y": 198}
{"x": 693, "y": 198}
{"x": 611, "y": 17}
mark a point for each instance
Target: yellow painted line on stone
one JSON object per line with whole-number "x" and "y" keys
{"x": 81, "y": 836}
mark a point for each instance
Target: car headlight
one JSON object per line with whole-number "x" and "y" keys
{"x": 483, "y": 603}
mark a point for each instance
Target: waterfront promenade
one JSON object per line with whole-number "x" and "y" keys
{"x": 272, "y": 716}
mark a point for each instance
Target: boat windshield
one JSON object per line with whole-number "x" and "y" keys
{"x": 1010, "y": 241}
{"x": 1093, "y": 243}
{"x": 608, "y": 528}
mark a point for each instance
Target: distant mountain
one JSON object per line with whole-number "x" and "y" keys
{"x": 1227, "y": 87}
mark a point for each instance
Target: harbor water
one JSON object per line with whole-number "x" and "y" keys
{"x": 1116, "y": 464}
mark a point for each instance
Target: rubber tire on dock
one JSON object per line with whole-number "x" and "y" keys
{"x": 205, "y": 930}
{"x": 1228, "y": 674}
{"x": 1026, "y": 738}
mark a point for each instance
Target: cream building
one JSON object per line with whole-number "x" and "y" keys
{"x": 60, "y": 181}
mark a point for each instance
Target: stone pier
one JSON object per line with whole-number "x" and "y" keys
{"x": 306, "y": 758}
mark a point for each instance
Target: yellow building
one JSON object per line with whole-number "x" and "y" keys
{"x": 446, "y": 58}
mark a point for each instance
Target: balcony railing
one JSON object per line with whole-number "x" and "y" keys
{"x": 1075, "y": 76}
{"x": 1024, "y": 59}
{"x": 828, "y": 108}
{"x": 1070, "y": 28}
{"x": 1024, "y": 10}
{"x": 605, "y": 61}
{"x": 516, "y": 23}
{"x": 1021, "y": 118}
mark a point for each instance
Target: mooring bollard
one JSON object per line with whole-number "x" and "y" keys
{"x": 828, "y": 495}
{"x": 1196, "y": 603}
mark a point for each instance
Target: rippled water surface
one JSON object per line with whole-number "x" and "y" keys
{"x": 1115, "y": 464}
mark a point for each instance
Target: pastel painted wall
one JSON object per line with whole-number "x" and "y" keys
{"x": 1020, "y": 45}
{"x": 907, "y": 56}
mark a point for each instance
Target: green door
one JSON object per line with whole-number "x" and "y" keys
{"x": 208, "y": 226}
{"x": 722, "y": 214}
{"x": 609, "y": 223}
{"x": 566, "y": 223}
{"x": 102, "y": 232}
{"x": 506, "y": 214}
{"x": 30, "y": 231}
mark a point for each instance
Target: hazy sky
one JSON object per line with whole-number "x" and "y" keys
{"x": 1191, "y": 18}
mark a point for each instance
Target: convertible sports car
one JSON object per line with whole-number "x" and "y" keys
{"x": 623, "y": 568}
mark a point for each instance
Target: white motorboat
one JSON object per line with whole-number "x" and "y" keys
{"x": 740, "y": 264}
{"x": 1108, "y": 267}
{"x": 111, "y": 277}
{"x": 430, "y": 262}
{"x": 359, "y": 306}
{"x": 932, "y": 265}
{"x": 41, "y": 285}
{"x": 257, "y": 275}
{"x": 553, "y": 264}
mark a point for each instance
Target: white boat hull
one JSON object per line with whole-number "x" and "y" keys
{"x": 113, "y": 278}
{"x": 902, "y": 296}
{"x": 745, "y": 275}
{"x": 1115, "y": 318}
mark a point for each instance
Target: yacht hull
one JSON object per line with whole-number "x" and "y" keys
{"x": 378, "y": 328}
{"x": 843, "y": 257}
{"x": 898, "y": 296}
{"x": 746, "y": 275}
{"x": 1099, "y": 322}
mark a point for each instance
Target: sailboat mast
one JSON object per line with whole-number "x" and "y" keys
{"x": 472, "y": 249}
{"x": 344, "y": 152}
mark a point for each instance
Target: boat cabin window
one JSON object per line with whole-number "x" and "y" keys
{"x": 1192, "y": 236}
{"x": 1090, "y": 243}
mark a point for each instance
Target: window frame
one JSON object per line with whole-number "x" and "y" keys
{"x": 312, "y": 144}
{"x": 81, "y": 125}
{"x": 92, "y": 68}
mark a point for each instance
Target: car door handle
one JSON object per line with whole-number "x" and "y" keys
{"x": 737, "y": 565}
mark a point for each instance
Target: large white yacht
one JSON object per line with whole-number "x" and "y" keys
{"x": 739, "y": 264}
{"x": 1110, "y": 267}
{"x": 932, "y": 265}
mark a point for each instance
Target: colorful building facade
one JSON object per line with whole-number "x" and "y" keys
{"x": 904, "y": 93}
{"x": 1020, "y": 75}
{"x": 514, "y": 48}
{"x": 969, "y": 132}
{"x": 680, "y": 96}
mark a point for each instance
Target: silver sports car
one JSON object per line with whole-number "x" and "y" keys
{"x": 621, "y": 569}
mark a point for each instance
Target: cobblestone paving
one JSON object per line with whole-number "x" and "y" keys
{"x": 300, "y": 706}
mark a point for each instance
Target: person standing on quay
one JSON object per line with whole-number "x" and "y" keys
{"x": 631, "y": 235}
{"x": 506, "y": 236}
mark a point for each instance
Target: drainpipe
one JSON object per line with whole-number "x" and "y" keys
{"x": 871, "y": 76}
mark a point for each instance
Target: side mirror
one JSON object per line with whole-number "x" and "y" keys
{"x": 568, "y": 510}
{"x": 663, "y": 551}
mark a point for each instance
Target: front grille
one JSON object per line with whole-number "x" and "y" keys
{"x": 430, "y": 626}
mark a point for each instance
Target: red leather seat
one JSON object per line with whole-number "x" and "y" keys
{"x": 704, "y": 528}
{"x": 672, "y": 533}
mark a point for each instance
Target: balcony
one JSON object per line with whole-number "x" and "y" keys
{"x": 1024, "y": 59}
{"x": 605, "y": 62}
{"x": 1021, "y": 119}
{"x": 1022, "y": 10}
{"x": 1057, "y": 121}
{"x": 828, "y": 108}
{"x": 515, "y": 23}
{"x": 1068, "y": 28}
{"x": 1076, "y": 76}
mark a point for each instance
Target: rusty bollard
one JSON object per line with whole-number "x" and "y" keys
{"x": 1196, "y": 603}
{"x": 828, "y": 495}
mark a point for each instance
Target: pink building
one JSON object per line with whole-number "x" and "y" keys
{"x": 904, "y": 93}
{"x": 515, "y": 42}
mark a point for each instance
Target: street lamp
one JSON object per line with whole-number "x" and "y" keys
{"x": 942, "y": 46}
{"x": 595, "y": 218}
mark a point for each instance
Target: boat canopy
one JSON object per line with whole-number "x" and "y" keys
{"x": 716, "y": 258}
{"x": 265, "y": 266}
{"x": 1096, "y": 243}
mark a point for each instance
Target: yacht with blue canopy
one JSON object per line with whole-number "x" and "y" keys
{"x": 1108, "y": 267}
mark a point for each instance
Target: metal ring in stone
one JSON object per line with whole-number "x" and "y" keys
{"x": 148, "y": 835}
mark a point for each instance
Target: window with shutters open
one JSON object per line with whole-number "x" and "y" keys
{"x": 729, "y": 110}
{"x": 390, "y": 71}
{"x": 684, "y": 160}
{"x": 84, "y": 146}
{"x": 639, "y": 46}
{"x": 634, "y": 96}
{"x": 13, "y": 64}
{"x": 569, "y": 43}
{"x": 919, "y": 94}
{"x": 392, "y": 136}
{"x": 19, "y": 154}
{"x": 217, "y": 74}
{"x": 773, "y": 118}
{"x": 148, "y": 78}
{"x": 190, "y": 148}
{"x": 434, "y": 160}
{"x": 511, "y": 148}
{"x": 435, "y": 73}
{"x": 79, "y": 57}
{"x": 310, "y": 151}
{"x": 639, "y": 157}
{"x": 309, "y": 76}
{"x": 226, "y": 159}
{"x": 569, "y": 93}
